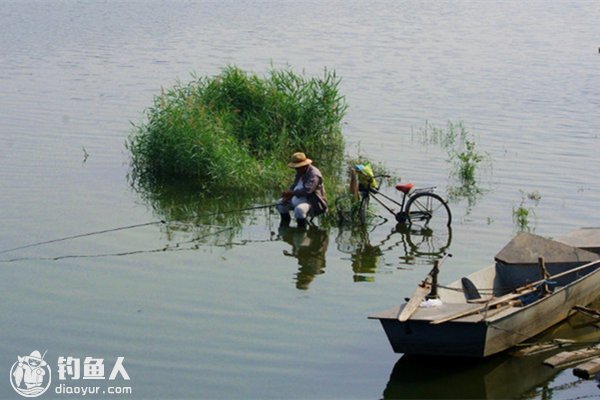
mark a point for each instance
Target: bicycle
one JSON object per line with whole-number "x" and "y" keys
{"x": 419, "y": 206}
{"x": 411, "y": 244}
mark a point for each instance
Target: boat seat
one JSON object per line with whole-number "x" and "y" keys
{"x": 469, "y": 289}
{"x": 404, "y": 187}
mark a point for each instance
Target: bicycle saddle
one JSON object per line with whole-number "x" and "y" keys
{"x": 404, "y": 187}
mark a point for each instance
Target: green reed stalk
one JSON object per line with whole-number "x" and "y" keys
{"x": 236, "y": 130}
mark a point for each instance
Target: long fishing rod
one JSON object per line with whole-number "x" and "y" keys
{"x": 121, "y": 228}
{"x": 82, "y": 235}
{"x": 176, "y": 247}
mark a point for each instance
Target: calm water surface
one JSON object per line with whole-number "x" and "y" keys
{"x": 250, "y": 311}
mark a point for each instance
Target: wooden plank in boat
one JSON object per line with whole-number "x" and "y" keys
{"x": 526, "y": 248}
{"x": 500, "y": 301}
{"x": 392, "y": 313}
{"x": 431, "y": 313}
{"x": 584, "y": 238}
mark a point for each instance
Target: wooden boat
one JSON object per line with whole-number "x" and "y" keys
{"x": 425, "y": 377}
{"x": 533, "y": 285}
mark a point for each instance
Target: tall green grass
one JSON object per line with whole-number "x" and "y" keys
{"x": 236, "y": 130}
{"x": 525, "y": 210}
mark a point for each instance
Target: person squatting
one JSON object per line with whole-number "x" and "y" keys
{"x": 306, "y": 195}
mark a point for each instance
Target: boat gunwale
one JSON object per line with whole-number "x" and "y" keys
{"x": 517, "y": 309}
{"x": 498, "y": 317}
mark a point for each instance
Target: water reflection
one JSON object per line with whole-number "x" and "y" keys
{"x": 471, "y": 192}
{"x": 502, "y": 376}
{"x": 411, "y": 244}
{"x": 191, "y": 215}
{"x": 185, "y": 202}
{"x": 309, "y": 246}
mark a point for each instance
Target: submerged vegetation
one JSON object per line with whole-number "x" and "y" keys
{"x": 236, "y": 131}
{"x": 460, "y": 144}
{"x": 525, "y": 210}
{"x": 466, "y": 160}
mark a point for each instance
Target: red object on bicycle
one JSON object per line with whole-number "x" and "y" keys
{"x": 404, "y": 187}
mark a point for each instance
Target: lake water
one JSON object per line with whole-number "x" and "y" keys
{"x": 241, "y": 310}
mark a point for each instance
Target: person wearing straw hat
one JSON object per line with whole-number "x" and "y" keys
{"x": 306, "y": 196}
{"x": 30, "y": 370}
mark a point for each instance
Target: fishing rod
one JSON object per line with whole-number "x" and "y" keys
{"x": 82, "y": 235}
{"x": 175, "y": 247}
{"x": 122, "y": 228}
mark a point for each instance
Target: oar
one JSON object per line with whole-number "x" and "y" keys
{"x": 525, "y": 289}
{"x": 423, "y": 289}
{"x": 500, "y": 300}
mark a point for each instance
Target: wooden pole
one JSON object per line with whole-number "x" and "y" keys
{"x": 353, "y": 184}
{"x": 587, "y": 311}
{"x": 529, "y": 288}
{"x": 433, "y": 294}
{"x": 545, "y": 276}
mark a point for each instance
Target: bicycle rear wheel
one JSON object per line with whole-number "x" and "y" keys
{"x": 428, "y": 210}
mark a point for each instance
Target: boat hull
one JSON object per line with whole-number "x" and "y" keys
{"x": 480, "y": 335}
{"x": 537, "y": 317}
{"x": 421, "y": 337}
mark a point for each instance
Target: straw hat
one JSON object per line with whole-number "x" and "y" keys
{"x": 299, "y": 160}
{"x": 35, "y": 356}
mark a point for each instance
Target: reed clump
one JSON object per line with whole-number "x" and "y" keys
{"x": 236, "y": 130}
{"x": 525, "y": 210}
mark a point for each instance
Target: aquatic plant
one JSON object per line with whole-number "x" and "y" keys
{"x": 236, "y": 130}
{"x": 524, "y": 211}
{"x": 345, "y": 207}
{"x": 455, "y": 132}
{"x": 460, "y": 145}
{"x": 467, "y": 162}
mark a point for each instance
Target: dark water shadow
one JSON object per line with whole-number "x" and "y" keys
{"x": 503, "y": 376}
{"x": 188, "y": 210}
{"x": 411, "y": 245}
{"x": 500, "y": 377}
{"x": 184, "y": 201}
{"x": 309, "y": 247}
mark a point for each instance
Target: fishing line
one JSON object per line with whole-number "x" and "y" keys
{"x": 125, "y": 228}
{"x": 121, "y": 254}
{"x": 82, "y": 235}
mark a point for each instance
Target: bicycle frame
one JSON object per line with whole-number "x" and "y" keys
{"x": 419, "y": 204}
{"x": 373, "y": 193}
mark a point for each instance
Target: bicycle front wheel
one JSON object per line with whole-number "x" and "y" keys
{"x": 428, "y": 210}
